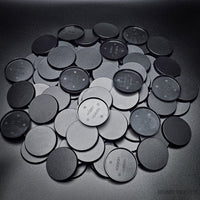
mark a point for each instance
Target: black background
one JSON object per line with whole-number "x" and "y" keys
{"x": 22, "y": 22}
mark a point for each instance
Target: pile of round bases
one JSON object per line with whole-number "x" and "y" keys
{"x": 98, "y": 98}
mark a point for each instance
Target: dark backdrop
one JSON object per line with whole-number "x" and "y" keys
{"x": 21, "y": 23}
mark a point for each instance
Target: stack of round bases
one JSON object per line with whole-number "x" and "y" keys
{"x": 98, "y": 98}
